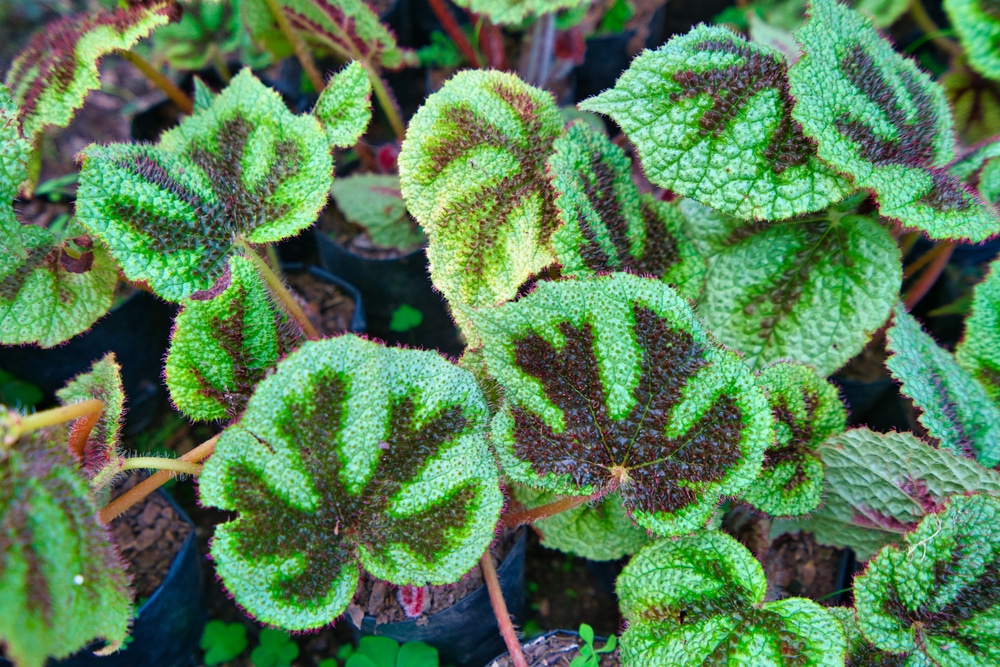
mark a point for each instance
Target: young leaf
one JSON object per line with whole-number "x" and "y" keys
{"x": 955, "y": 408}
{"x": 223, "y": 642}
{"x": 600, "y": 531}
{"x": 812, "y": 289}
{"x": 223, "y": 346}
{"x": 276, "y": 649}
{"x": 982, "y": 167}
{"x": 710, "y": 114}
{"x": 472, "y": 170}
{"x": 979, "y": 350}
{"x": 606, "y": 224}
{"x": 699, "y": 600}
{"x": 104, "y": 382}
{"x": 62, "y": 581}
{"x": 345, "y": 106}
{"x": 807, "y": 410}
{"x": 612, "y": 385}
{"x": 171, "y": 212}
{"x": 506, "y": 12}
{"x": 50, "y": 78}
{"x": 351, "y": 455}
{"x": 880, "y": 485}
{"x": 375, "y": 202}
{"x": 884, "y": 122}
{"x": 977, "y": 23}
{"x": 938, "y": 595}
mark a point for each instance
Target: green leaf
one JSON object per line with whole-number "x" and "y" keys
{"x": 381, "y": 651}
{"x": 606, "y": 224}
{"x": 15, "y": 153}
{"x": 982, "y": 167}
{"x": 710, "y": 114}
{"x": 223, "y": 641}
{"x": 53, "y": 74}
{"x": 17, "y": 393}
{"x": 171, "y": 212}
{"x": 345, "y": 106}
{"x": 789, "y": 14}
{"x": 374, "y": 201}
{"x": 955, "y": 408}
{"x": 878, "y": 486}
{"x": 62, "y": 581}
{"x": 222, "y": 347}
{"x": 472, "y": 170}
{"x": 813, "y": 289}
{"x": 207, "y": 29}
{"x": 404, "y": 318}
{"x": 104, "y": 382}
{"x": 699, "y": 600}
{"x": 979, "y": 350}
{"x": 877, "y": 117}
{"x": 975, "y": 101}
{"x": 860, "y": 652}
{"x": 807, "y": 410}
{"x": 349, "y": 455}
{"x": 977, "y": 23}
{"x": 598, "y": 531}
{"x": 612, "y": 385}
{"x": 276, "y": 649}
{"x": 416, "y": 654}
{"x": 937, "y": 595}
{"x": 506, "y": 12}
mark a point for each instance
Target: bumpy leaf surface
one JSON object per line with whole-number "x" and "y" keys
{"x": 505, "y": 12}
{"x": 51, "y": 77}
{"x": 711, "y": 116}
{"x": 807, "y": 410}
{"x": 351, "y": 454}
{"x": 472, "y": 170}
{"x": 601, "y": 531}
{"x": 345, "y": 106}
{"x": 955, "y": 408}
{"x": 223, "y": 346}
{"x": 63, "y": 584}
{"x": 613, "y": 385}
{"x": 979, "y": 350}
{"x": 699, "y": 600}
{"x": 606, "y": 224}
{"x": 880, "y": 485}
{"x": 860, "y": 652}
{"x": 104, "y": 382}
{"x": 15, "y": 151}
{"x": 982, "y": 167}
{"x": 812, "y": 289}
{"x": 977, "y": 23}
{"x": 877, "y": 117}
{"x": 170, "y": 212}
{"x": 937, "y": 595}
{"x": 374, "y": 201}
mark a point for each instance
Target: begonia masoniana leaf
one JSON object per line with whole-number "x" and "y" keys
{"x": 374, "y": 202}
{"x": 977, "y": 23}
{"x": 860, "y": 652}
{"x": 345, "y": 106}
{"x": 979, "y": 350}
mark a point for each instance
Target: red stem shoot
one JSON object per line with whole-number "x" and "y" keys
{"x": 454, "y": 31}
{"x": 930, "y": 276}
{"x": 500, "y": 610}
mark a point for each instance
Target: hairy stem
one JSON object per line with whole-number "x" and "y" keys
{"x": 221, "y": 68}
{"x": 542, "y": 511}
{"x": 500, "y": 610}
{"x": 19, "y": 425}
{"x": 288, "y": 301}
{"x": 123, "y": 502}
{"x": 298, "y": 46}
{"x": 920, "y": 16}
{"x": 454, "y": 31}
{"x": 385, "y": 101}
{"x": 491, "y": 42}
{"x": 80, "y": 431}
{"x": 920, "y": 288}
{"x": 160, "y": 463}
{"x": 161, "y": 81}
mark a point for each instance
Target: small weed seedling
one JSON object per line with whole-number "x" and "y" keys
{"x": 590, "y": 656}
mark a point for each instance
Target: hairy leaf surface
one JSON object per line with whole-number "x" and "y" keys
{"x": 505, "y": 12}
{"x": 375, "y": 202}
{"x": 812, "y": 289}
{"x": 170, "y": 212}
{"x": 979, "y": 350}
{"x": 345, "y": 106}
{"x": 878, "y": 486}
{"x": 350, "y": 455}
{"x": 807, "y": 410}
{"x": 101, "y": 454}
{"x": 699, "y": 600}
{"x": 860, "y": 651}
{"x": 710, "y": 114}
{"x": 955, "y": 408}
{"x": 612, "y": 384}
{"x": 981, "y": 167}
{"x": 937, "y": 595}
{"x": 879, "y": 118}
{"x": 977, "y": 23}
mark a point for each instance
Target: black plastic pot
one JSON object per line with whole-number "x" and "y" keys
{"x": 359, "y": 323}
{"x": 466, "y": 634}
{"x": 389, "y": 284}
{"x": 138, "y": 332}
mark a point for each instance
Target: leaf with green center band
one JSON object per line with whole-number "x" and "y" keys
{"x": 347, "y": 29}
{"x": 222, "y": 347}
{"x": 812, "y": 289}
{"x": 602, "y": 531}
{"x": 171, "y": 212}
{"x": 937, "y": 595}
{"x": 807, "y": 410}
{"x": 878, "y": 486}
{"x": 606, "y": 224}
{"x": 374, "y": 202}
{"x": 472, "y": 170}
{"x": 884, "y": 122}
{"x": 979, "y": 350}
{"x": 699, "y": 600}
{"x": 62, "y": 581}
{"x": 955, "y": 408}
{"x": 507, "y": 12}
{"x": 51, "y": 77}
{"x": 612, "y": 385}
{"x": 345, "y": 106}
{"x": 710, "y": 114}
{"x": 860, "y": 652}
{"x": 350, "y": 455}
{"x": 977, "y": 23}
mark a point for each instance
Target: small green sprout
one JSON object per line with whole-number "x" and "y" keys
{"x": 386, "y": 652}
{"x": 590, "y": 656}
{"x": 223, "y": 641}
{"x": 276, "y": 649}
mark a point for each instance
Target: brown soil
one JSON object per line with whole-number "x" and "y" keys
{"x": 353, "y": 238}
{"x": 797, "y": 566}
{"x": 329, "y": 309}
{"x": 148, "y": 536}
{"x": 557, "y": 650}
